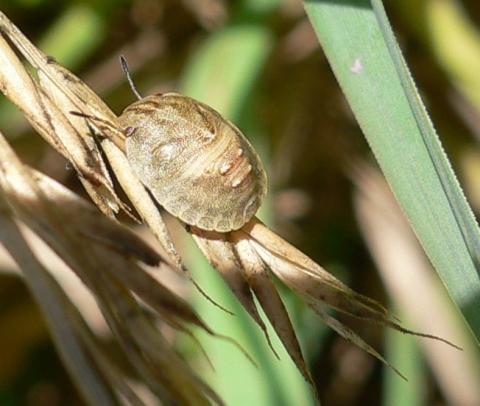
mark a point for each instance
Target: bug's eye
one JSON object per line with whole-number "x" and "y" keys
{"x": 128, "y": 131}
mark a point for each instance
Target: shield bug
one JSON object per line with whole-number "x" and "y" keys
{"x": 198, "y": 165}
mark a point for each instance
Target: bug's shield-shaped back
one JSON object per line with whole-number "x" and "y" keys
{"x": 198, "y": 165}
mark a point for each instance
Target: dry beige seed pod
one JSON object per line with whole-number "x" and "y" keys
{"x": 197, "y": 164}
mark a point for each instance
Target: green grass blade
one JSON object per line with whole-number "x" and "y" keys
{"x": 460, "y": 208}
{"x": 363, "y": 53}
{"x": 403, "y": 352}
{"x": 84, "y": 29}
{"x": 224, "y": 70}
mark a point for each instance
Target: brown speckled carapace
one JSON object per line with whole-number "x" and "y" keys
{"x": 197, "y": 164}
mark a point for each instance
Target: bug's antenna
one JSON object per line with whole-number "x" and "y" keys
{"x": 124, "y": 64}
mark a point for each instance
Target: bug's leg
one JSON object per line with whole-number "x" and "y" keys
{"x": 105, "y": 128}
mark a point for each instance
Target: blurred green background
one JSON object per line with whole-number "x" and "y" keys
{"x": 259, "y": 63}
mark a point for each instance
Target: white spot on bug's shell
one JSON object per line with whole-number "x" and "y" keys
{"x": 236, "y": 183}
{"x": 239, "y": 152}
{"x": 165, "y": 151}
{"x": 208, "y": 136}
{"x": 357, "y": 66}
{"x": 225, "y": 168}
